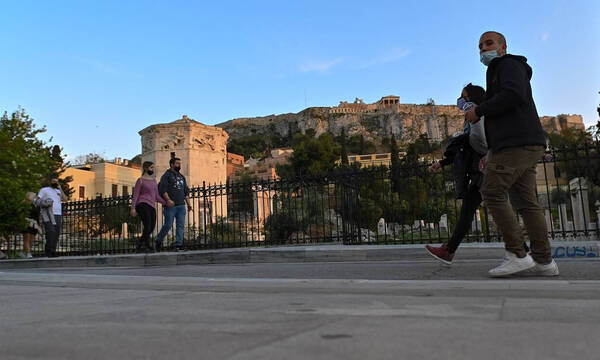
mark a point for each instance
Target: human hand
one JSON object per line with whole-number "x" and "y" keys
{"x": 133, "y": 213}
{"x": 471, "y": 115}
{"x": 189, "y": 207}
{"x": 170, "y": 203}
{"x": 435, "y": 167}
{"x": 482, "y": 163}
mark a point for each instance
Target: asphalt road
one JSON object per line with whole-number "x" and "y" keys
{"x": 351, "y": 310}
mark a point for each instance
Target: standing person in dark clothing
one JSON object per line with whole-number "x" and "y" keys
{"x": 145, "y": 196}
{"x": 467, "y": 177}
{"x": 516, "y": 141}
{"x": 53, "y": 222}
{"x": 173, "y": 187}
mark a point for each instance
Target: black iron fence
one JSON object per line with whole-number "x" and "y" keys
{"x": 375, "y": 205}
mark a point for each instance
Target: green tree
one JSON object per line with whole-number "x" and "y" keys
{"x": 60, "y": 167}
{"x": 343, "y": 151}
{"x": 311, "y": 156}
{"x": 26, "y": 163}
{"x": 395, "y": 164}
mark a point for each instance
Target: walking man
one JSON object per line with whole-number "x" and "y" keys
{"x": 516, "y": 142}
{"x": 173, "y": 188}
{"x": 52, "y": 223}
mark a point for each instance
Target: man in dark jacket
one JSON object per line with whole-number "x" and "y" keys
{"x": 174, "y": 189}
{"x": 516, "y": 141}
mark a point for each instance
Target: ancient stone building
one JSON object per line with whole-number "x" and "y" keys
{"x": 203, "y": 153}
{"x": 201, "y": 148}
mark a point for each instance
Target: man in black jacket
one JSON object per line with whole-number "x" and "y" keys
{"x": 516, "y": 141}
{"x": 174, "y": 189}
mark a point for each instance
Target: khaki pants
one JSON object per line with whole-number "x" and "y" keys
{"x": 513, "y": 170}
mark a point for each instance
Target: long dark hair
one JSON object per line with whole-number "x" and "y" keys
{"x": 476, "y": 93}
{"x": 146, "y": 165}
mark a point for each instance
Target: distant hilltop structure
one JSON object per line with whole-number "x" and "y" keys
{"x": 374, "y": 121}
{"x": 561, "y": 122}
{"x": 390, "y": 103}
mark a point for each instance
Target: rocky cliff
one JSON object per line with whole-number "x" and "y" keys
{"x": 405, "y": 121}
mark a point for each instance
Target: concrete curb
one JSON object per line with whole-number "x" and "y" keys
{"x": 291, "y": 254}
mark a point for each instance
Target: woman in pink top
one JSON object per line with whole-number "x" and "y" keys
{"x": 145, "y": 196}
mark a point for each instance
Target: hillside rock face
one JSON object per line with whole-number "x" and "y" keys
{"x": 405, "y": 121}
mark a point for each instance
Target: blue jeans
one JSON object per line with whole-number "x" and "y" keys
{"x": 175, "y": 213}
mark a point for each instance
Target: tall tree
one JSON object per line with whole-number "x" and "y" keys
{"x": 343, "y": 151}
{"x": 60, "y": 167}
{"x": 362, "y": 145}
{"x": 395, "y": 163}
{"x": 395, "y": 158}
{"x": 26, "y": 164}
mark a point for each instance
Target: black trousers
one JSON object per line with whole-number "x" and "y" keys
{"x": 52, "y": 232}
{"x": 148, "y": 216}
{"x": 469, "y": 206}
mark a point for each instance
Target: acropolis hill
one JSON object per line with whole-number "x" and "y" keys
{"x": 375, "y": 121}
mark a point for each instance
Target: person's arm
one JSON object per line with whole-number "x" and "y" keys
{"x": 446, "y": 161}
{"x": 513, "y": 84}
{"x": 186, "y": 192}
{"x": 157, "y": 196}
{"x": 163, "y": 187}
{"x": 136, "y": 193}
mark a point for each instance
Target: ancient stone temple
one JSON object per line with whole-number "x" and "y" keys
{"x": 201, "y": 148}
{"x": 203, "y": 153}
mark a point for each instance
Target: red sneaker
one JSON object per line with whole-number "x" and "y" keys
{"x": 440, "y": 253}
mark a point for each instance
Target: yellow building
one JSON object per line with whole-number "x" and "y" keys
{"x": 103, "y": 179}
{"x": 373, "y": 159}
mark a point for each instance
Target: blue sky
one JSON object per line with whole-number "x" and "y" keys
{"x": 97, "y": 72}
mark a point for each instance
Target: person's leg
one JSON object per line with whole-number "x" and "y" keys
{"x": 469, "y": 206}
{"x": 151, "y": 225}
{"x": 180, "y": 227}
{"x": 144, "y": 213}
{"x": 501, "y": 172}
{"x": 27, "y": 240}
{"x": 49, "y": 230}
{"x": 525, "y": 201}
{"x": 58, "y": 219}
{"x": 169, "y": 216}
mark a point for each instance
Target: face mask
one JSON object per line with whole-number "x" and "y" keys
{"x": 487, "y": 57}
{"x": 177, "y": 168}
{"x": 54, "y": 185}
{"x": 149, "y": 172}
{"x": 460, "y": 102}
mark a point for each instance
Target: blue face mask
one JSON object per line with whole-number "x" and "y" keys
{"x": 460, "y": 102}
{"x": 487, "y": 57}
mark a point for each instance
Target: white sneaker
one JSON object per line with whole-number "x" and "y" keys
{"x": 512, "y": 265}
{"x": 550, "y": 269}
{"x": 29, "y": 256}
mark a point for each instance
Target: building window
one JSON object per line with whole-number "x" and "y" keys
{"x": 82, "y": 192}
{"x": 115, "y": 190}
{"x": 125, "y": 190}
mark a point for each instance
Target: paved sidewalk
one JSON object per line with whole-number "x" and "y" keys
{"x": 328, "y": 310}
{"x": 312, "y": 253}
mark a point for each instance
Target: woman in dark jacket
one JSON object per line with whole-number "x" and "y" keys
{"x": 466, "y": 174}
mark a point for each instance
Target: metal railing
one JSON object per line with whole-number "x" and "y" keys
{"x": 378, "y": 205}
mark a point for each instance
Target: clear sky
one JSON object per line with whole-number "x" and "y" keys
{"x": 97, "y": 72}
